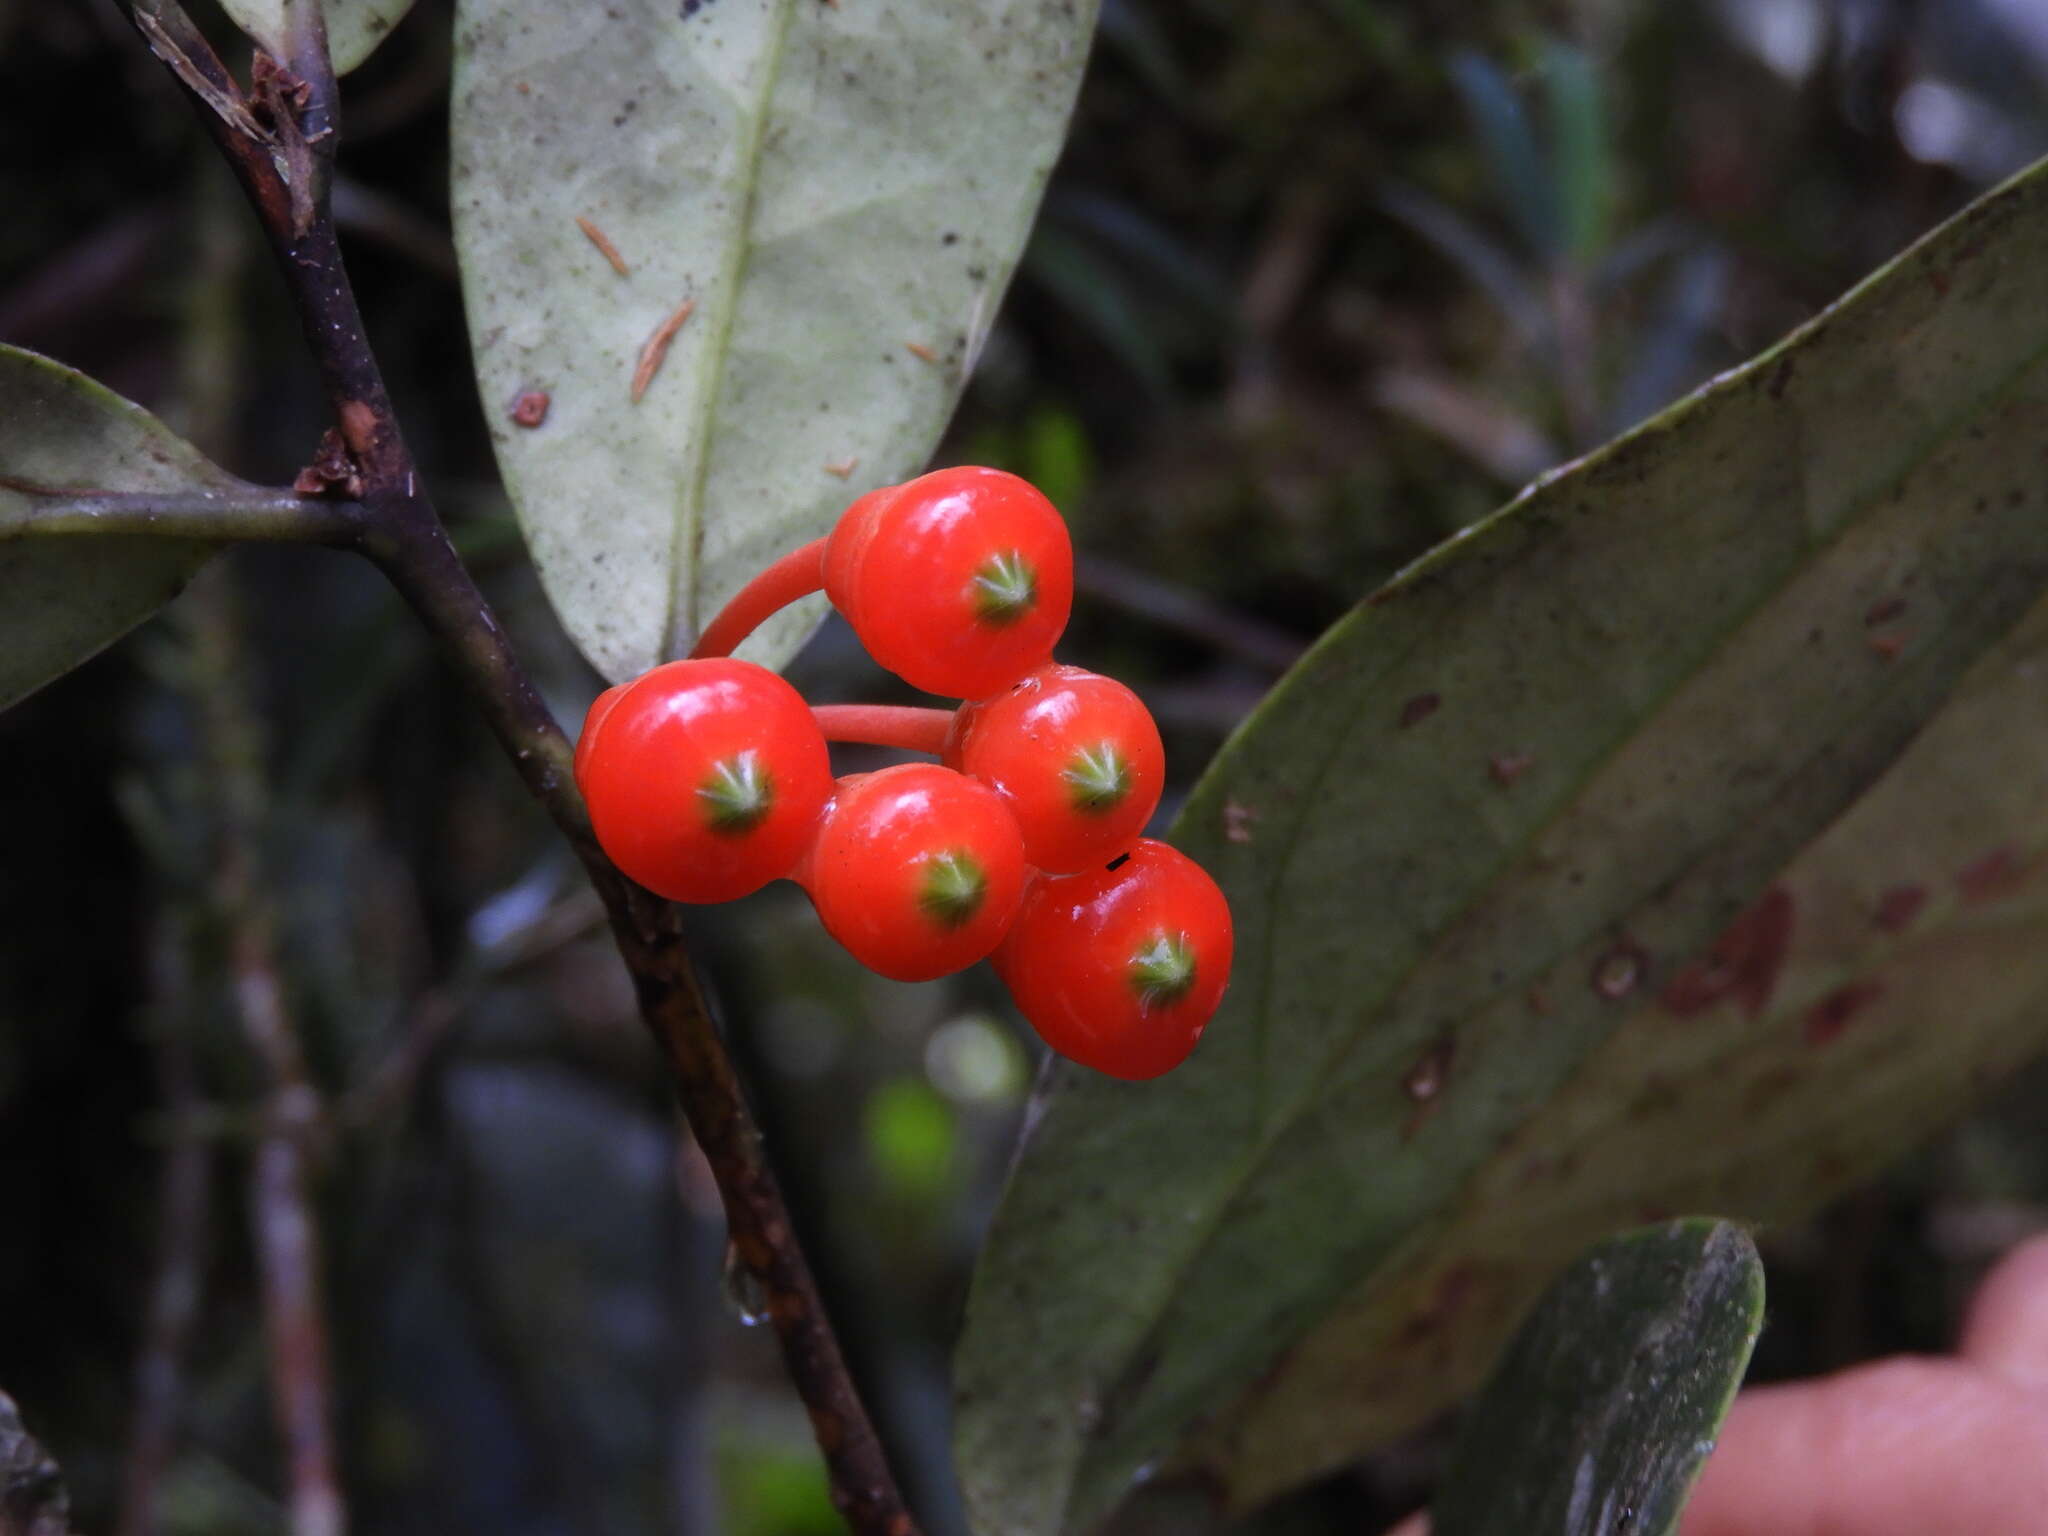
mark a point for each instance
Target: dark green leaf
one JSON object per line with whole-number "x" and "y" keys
{"x": 1607, "y": 1402}
{"x": 1763, "y": 660}
{"x": 64, "y": 598}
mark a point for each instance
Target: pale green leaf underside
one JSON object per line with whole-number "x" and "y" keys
{"x": 64, "y": 598}
{"x": 1489, "y": 817}
{"x": 354, "y": 27}
{"x": 833, "y": 187}
{"x": 1608, "y": 1400}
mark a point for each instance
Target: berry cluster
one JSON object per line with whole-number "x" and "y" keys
{"x": 708, "y": 778}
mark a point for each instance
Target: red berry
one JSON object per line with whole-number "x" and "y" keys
{"x": 1121, "y": 968}
{"x": 959, "y": 582}
{"x": 1075, "y": 755}
{"x": 917, "y": 871}
{"x": 705, "y": 779}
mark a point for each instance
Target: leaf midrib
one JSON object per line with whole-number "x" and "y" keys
{"x": 686, "y": 546}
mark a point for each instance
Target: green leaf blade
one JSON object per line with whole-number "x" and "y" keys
{"x": 1491, "y": 817}
{"x": 841, "y": 194}
{"x": 1612, "y": 1392}
{"x": 63, "y": 599}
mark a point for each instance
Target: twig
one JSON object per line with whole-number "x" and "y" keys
{"x": 257, "y": 515}
{"x": 286, "y": 1236}
{"x": 389, "y": 1084}
{"x": 406, "y": 538}
{"x": 290, "y": 1248}
{"x": 73, "y": 286}
{"x": 863, "y": 1489}
{"x": 175, "y": 1289}
{"x": 1572, "y": 322}
{"x": 1501, "y": 441}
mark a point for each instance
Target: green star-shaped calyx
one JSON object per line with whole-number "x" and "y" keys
{"x": 1004, "y": 589}
{"x": 1098, "y": 778}
{"x": 1163, "y": 972}
{"x": 738, "y": 794}
{"x": 952, "y": 888}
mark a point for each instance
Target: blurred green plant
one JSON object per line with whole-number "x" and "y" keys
{"x": 1559, "y": 189}
{"x": 911, "y": 1140}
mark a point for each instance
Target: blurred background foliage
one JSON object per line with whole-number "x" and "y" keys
{"x": 1318, "y": 283}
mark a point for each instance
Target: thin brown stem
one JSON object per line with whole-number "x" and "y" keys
{"x": 414, "y": 552}
{"x": 1173, "y": 607}
{"x": 281, "y": 144}
{"x": 671, "y": 1001}
{"x": 285, "y": 1233}
{"x": 388, "y": 1086}
{"x": 183, "y": 1201}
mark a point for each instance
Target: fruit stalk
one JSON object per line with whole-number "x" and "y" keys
{"x": 908, "y": 727}
{"x": 797, "y": 574}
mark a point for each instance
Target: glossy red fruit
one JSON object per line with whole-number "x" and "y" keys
{"x": 705, "y": 779}
{"x": 917, "y": 870}
{"x": 959, "y": 581}
{"x": 1120, "y": 969}
{"x": 1076, "y": 756}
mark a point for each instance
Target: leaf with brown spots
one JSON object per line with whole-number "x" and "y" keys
{"x": 843, "y": 192}
{"x": 1419, "y": 709}
{"x": 1726, "y": 800}
{"x": 1744, "y": 962}
{"x": 1898, "y": 906}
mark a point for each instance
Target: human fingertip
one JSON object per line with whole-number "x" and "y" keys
{"x": 2006, "y": 1330}
{"x": 1900, "y": 1447}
